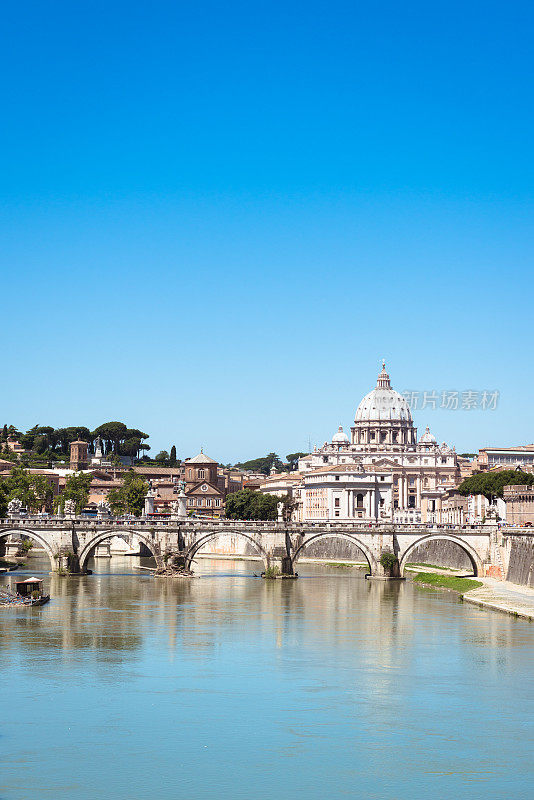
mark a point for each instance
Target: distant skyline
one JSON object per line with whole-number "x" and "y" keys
{"x": 216, "y": 221}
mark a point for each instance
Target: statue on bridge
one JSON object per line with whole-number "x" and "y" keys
{"x": 14, "y": 506}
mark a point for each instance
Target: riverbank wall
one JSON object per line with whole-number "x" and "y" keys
{"x": 516, "y": 551}
{"x": 331, "y": 548}
{"x": 518, "y": 559}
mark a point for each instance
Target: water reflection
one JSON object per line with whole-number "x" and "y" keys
{"x": 323, "y": 684}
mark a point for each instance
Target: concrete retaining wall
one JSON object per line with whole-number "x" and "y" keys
{"x": 333, "y": 549}
{"x": 442, "y": 554}
{"x": 520, "y": 559}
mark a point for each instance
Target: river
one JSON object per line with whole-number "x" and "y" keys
{"x": 228, "y": 686}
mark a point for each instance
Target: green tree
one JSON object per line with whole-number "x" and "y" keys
{"x": 116, "y": 434}
{"x": 162, "y": 457}
{"x": 4, "y": 497}
{"x": 491, "y": 484}
{"x": 44, "y": 494}
{"x": 130, "y": 497}
{"x": 172, "y": 458}
{"x": 33, "y": 491}
{"x": 293, "y": 458}
{"x": 246, "y": 504}
{"x": 112, "y": 434}
{"x": 76, "y": 488}
{"x": 264, "y": 464}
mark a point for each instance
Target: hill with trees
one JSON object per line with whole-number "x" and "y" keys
{"x": 266, "y": 463}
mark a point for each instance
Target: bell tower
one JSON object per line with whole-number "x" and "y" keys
{"x": 78, "y": 455}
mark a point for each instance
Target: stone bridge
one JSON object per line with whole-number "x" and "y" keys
{"x": 69, "y": 543}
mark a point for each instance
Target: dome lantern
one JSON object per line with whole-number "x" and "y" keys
{"x": 383, "y": 381}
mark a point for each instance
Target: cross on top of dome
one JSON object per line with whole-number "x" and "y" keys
{"x": 383, "y": 381}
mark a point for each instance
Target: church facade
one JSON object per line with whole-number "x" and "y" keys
{"x": 383, "y": 440}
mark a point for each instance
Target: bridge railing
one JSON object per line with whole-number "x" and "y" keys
{"x": 82, "y": 522}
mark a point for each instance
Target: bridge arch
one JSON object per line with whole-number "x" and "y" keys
{"x": 371, "y": 560}
{"x": 29, "y": 533}
{"x": 207, "y": 537}
{"x": 89, "y": 546}
{"x": 474, "y": 558}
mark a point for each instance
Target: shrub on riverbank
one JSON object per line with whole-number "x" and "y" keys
{"x": 460, "y": 585}
{"x": 390, "y": 564}
{"x": 271, "y": 572}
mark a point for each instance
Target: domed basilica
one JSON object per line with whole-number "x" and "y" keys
{"x": 383, "y": 439}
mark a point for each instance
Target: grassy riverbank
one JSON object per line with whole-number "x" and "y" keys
{"x": 451, "y": 582}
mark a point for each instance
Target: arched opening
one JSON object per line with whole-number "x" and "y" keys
{"x": 228, "y": 545}
{"x": 25, "y": 533}
{"x": 342, "y": 547}
{"x": 147, "y": 546}
{"x": 442, "y": 551}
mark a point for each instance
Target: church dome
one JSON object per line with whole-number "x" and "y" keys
{"x": 427, "y": 437}
{"x": 340, "y": 437}
{"x": 383, "y": 403}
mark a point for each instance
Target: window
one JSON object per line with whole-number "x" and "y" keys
{"x": 336, "y": 502}
{"x": 217, "y": 501}
{"x": 189, "y": 473}
{"x": 337, "y": 477}
{"x": 208, "y": 501}
{"x": 359, "y": 501}
{"x": 201, "y": 473}
{"x": 336, "y": 513}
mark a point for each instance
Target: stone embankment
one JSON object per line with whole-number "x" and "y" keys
{"x": 503, "y": 596}
{"x": 519, "y": 556}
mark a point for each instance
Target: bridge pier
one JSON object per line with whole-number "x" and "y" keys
{"x": 283, "y": 564}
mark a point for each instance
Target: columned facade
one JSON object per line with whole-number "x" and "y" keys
{"x": 383, "y": 439}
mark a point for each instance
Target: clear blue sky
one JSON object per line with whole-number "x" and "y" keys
{"x": 217, "y": 218}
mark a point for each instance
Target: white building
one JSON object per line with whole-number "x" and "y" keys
{"x": 344, "y": 494}
{"x": 384, "y": 440}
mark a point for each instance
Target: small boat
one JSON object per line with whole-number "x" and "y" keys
{"x": 30, "y": 591}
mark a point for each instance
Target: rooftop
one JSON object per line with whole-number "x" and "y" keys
{"x": 202, "y": 458}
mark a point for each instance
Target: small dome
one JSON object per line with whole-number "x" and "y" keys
{"x": 340, "y": 437}
{"x": 427, "y": 437}
{"x": 383, "y": 403}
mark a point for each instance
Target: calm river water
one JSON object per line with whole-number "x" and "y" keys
{"x": 227, "y": 686}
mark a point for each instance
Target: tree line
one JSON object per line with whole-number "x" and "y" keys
{"x": 45, "y": 444}
{"x": 491, "y": 484}
{"x": 266, "y": 463}
{"x": 35, "y": 492}
{"x": 53, "y": 444}
{"x": 247, "y": 504}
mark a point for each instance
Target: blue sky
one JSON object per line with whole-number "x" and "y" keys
{"x": 217, "y": 219}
